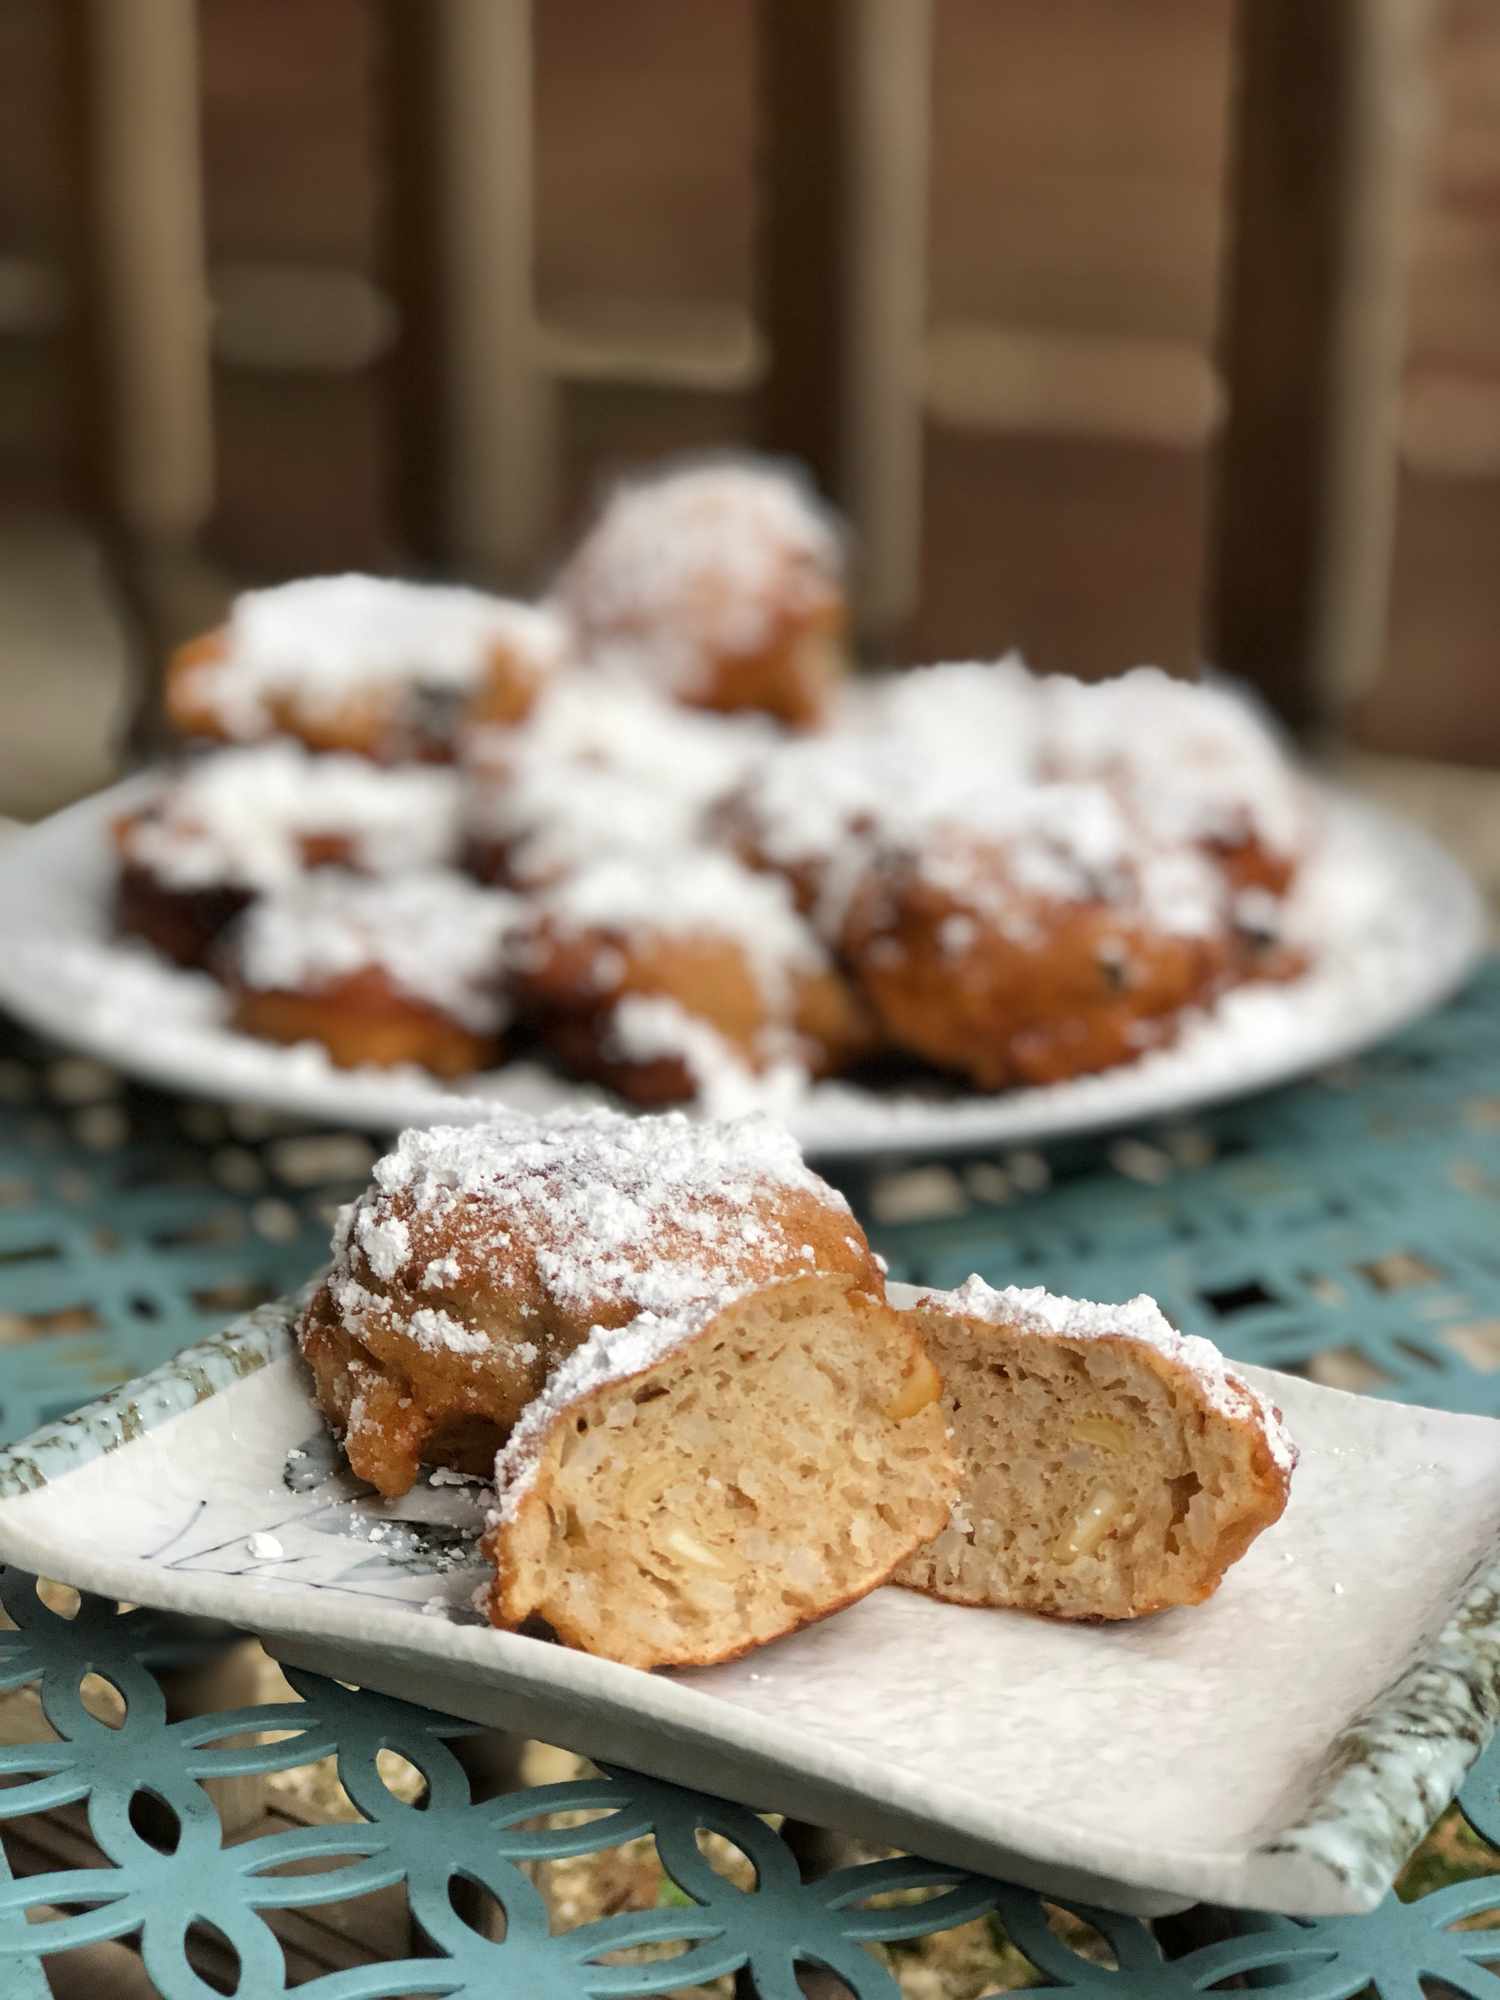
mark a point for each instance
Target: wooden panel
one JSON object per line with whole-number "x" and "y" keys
{"x": 1292, "y": 126}
{"x": 1439, "y": 692}
{"x": 802, "y": 261}
{"x": 33, "y": 189}
{"x": 645, "y": 144}
{"x": 845, "y": 109}
{"x": 1086, "y": 553}
{"x": 143, "y": 301}
{"x": 1077, "y": 163}
{"x": 1075, "y": 217}
{"x": 476, "y": 412}
{"x": 289, "y": 129}
{"x": 290, "y": 132}
{"x": 303, "y": 468}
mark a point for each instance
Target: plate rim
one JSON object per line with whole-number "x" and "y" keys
{"x": 67, "y": 848}
{"x": 1338, "y": 1857}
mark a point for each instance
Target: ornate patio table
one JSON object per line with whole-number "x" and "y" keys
{"x": 178, "y": 1820}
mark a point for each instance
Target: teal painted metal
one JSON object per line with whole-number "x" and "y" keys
{"x": 153, "y": 1890}
{"x": 1358, "y": 1216}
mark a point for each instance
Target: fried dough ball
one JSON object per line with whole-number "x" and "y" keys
{"x": 481, "y": 1256}
{"x": 662, "y": 975}
{"x": 362, "y": 664}
{"x": 1192, "y": 761}
{"x": 1110, "y": 1467}
{"x": 410, "y": 970}
{"x": 236, "y": 824}
{"x": 974, "y": 963}
{"x": 721, "y": 583}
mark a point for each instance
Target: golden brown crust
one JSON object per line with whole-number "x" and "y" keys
{"x": 470, "y": 1266}
{"x": 389, "y": 723}
{"x": 507, "y": 691}
{"x": 184, "y": 925}
{"x": 793, "y": 677}
{"x": 574, "y": 983}
{"x": 1068, "y": 989}
{"x": 190, "y": 712}
{"x": 365, "y": 1019}
{"x": 1249, "y": 863}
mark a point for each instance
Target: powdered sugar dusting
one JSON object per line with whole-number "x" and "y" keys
{"x": 643, "y": 1228}
{"x": 688, "y": 894}
{"x": 1033, "y": 1310}
{"x": 244, "y": 817}
{"x": 953, "y": 768}
{"x": 386, "y": 1241}
{"x": 1195, "y": 759}
{"x": 603, "y": 764}
{"x": 703, "y": 561}
{"x": 648, "y": 1214}
{"x": 437, "y": 937}
{"x": 327, "y": 638}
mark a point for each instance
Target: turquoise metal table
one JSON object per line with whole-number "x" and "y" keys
{"x": 1348, "y": 1229}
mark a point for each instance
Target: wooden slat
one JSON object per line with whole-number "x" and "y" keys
{"x": 1291, "y": 152}
{"x": 890, "y": 80}
{"x": 842, "y": 287}
{"x": 477, "y": 448}
{"x": 141, "y": 405}
{"x": 1133, "y": 388}
{"x": 1387, "y": 135}
{"x": 801, "y": 273}
{"x": 143, "y": 284}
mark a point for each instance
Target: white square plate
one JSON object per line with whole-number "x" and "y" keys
{"x": 1282, "y": 1747}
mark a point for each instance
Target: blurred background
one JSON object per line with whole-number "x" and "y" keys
{"x": 1123, "y": 329}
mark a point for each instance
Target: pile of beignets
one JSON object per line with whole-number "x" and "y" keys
{"x": 652, "y": 830}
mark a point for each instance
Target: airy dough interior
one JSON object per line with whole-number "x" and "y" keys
{"x": 774, "y": 1469}
{"x": 1095, "y": 1484}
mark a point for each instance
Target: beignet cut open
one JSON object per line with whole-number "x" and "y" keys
{"x": 1108, "y": 1466}
{"x": 772, "y": 1469}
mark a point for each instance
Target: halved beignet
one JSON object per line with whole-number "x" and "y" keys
{"x": 1109, "y": 1466}
{"x": 687, "y": 1490}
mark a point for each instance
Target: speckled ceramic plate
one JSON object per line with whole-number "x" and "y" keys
{"x": 1282, "y": 1747}
{"x": 1395, "y": 921}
